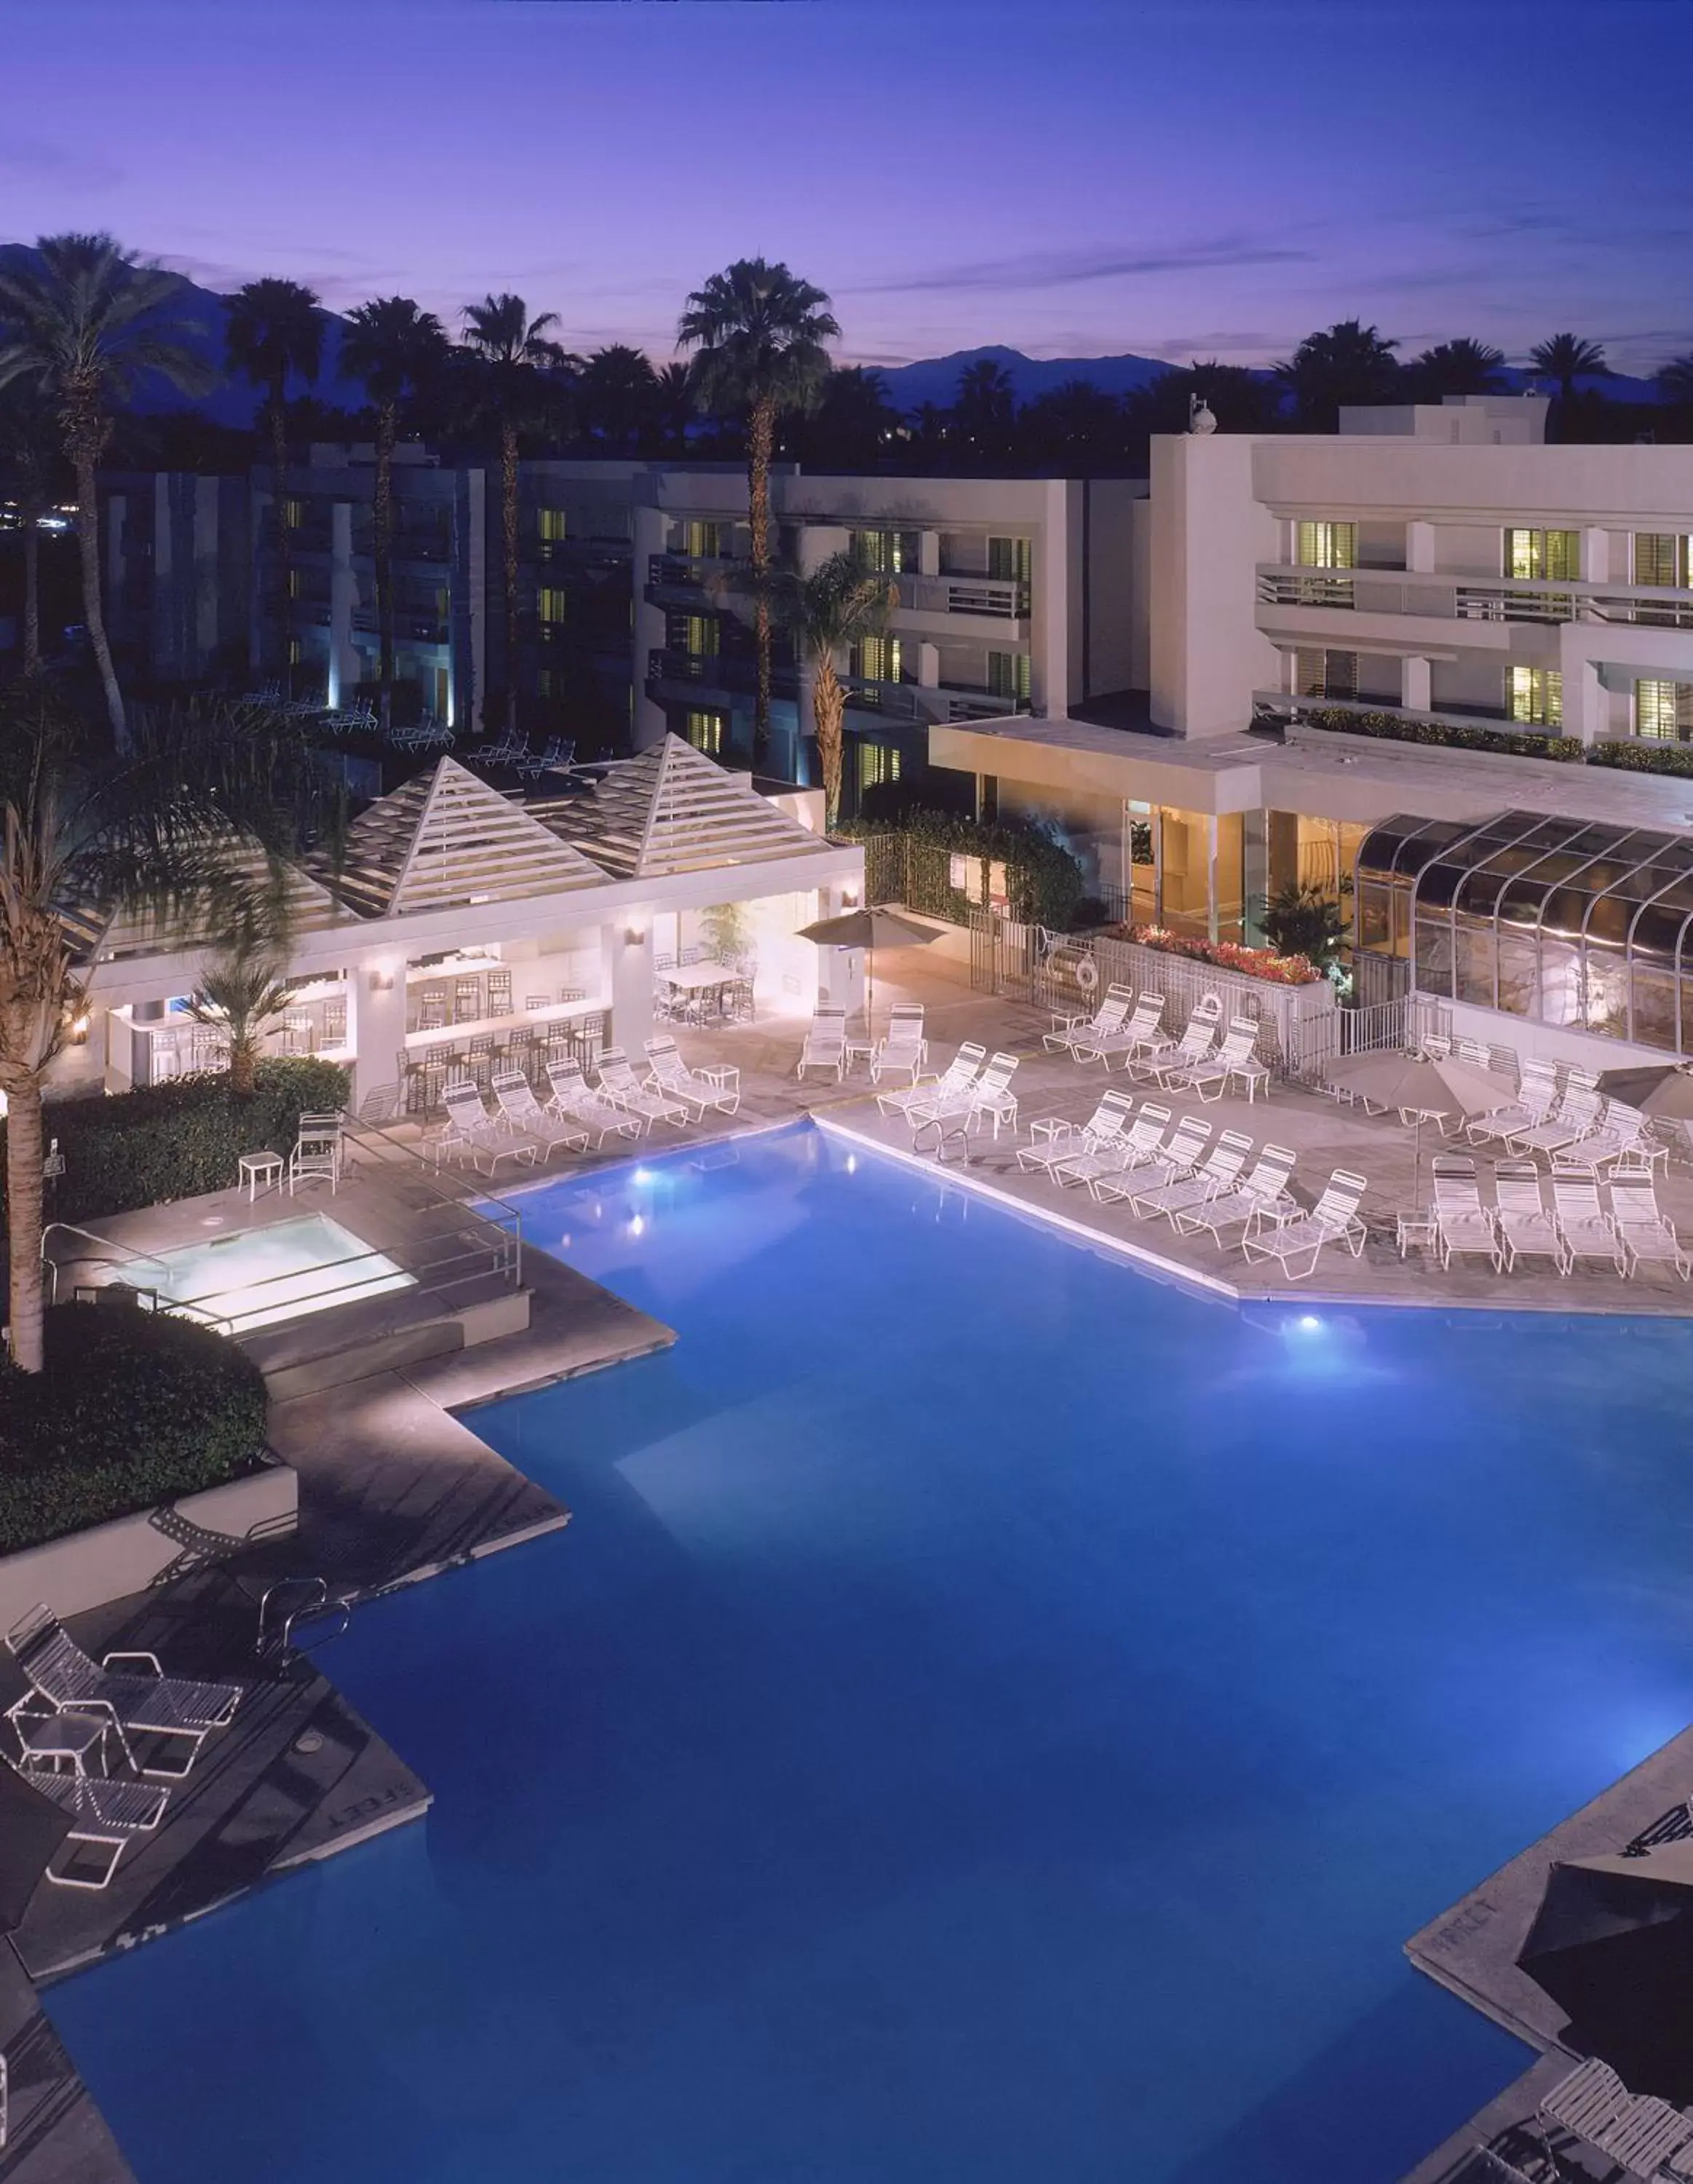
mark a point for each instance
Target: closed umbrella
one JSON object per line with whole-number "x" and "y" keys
{"x": 1613, "y": 1945}
{"x": 870, "y": 929}
{"x": 31, "y": 1829}
{"x": 1663, "y": 1091}
{"x": 1419, "y": 1088}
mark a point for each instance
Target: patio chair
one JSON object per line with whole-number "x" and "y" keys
{"x": 825, "y": 1046}
{"x": 173, "y": 1708}
{"x": 1536, "y": 1097}
{"x": 1194, "y": 1044}
{"x": 1525, "y": 1227}
{"x": 317, "y": 1154}
{"x": 1576, "y": 1118}
{"x": 1233, "y": 1059}
{"x": 1175, "y": 1158}
{"x": 1054, "y": 1139}
{"x": 470, "y": 1130}
{"x": 623, "y": 1088}
{"x": 960, "y": 1070}
{"x": 1334, "y": 1219}
{"x": 105, "y": 1815}
{"x": 904, "y": 1048}
{"x": 1588, "y": 1231}
{"x": 1461, "y": 1223}
{"x": 1069, "y": 1032}
{"x": 698, "y": 1089}
{"x": 1586, "y": 2103}
{"x": 1138, "y": 1036}
{"x": 1263, "y": 1190}
{"x": 1121, "y": 1151}
{"x": 1646, "y": 1237}
{"x": 986, "y": 1093}
{"x": 601, "y": 1116}
{"x": 525, "y": 1116}
{"x": 1218, "y": 1171}
{"x": 1623, "y": 1134}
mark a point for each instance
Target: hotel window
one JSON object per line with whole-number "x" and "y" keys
{"x": 888, "y": 553}
{"x": 553, "y": 604}
{"x": 877, "y": 764}
{"x": 1535, "y": 696}
{"x": 1544, "y": 557}
{"x": 1663, "y": 711}
{"x": 296, "y": 652}
{"x": 1325, "y": 545}
{"x": 293, "y": 514}
{"x": 1008, "y": 676}
{"x": 293, "y": 583}
{"x": 704, "y": 542}
{"x": 697, "y": 636}
{"x": 551, "y": 521}
{"x": 705, "y": 733}
{"x": 1011, "y": 560}
{"x": 1325, "y": 674}
{"x": 878, "y": 660}
{"x": 1662, "y": 557}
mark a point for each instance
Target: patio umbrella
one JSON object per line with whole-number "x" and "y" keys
{"x": 1613, "y": 1945}
{"x": 31, "y": 1829}
{"x": 1662, "y": 1090}
{"x": 1422, "y": 1087}
{"x": 869, "y": 928}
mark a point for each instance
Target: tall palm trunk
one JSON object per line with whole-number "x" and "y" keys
{"x": 85, "y": 434}
{"x": 382, "y": 519}
{"x": 507, "y": 513}
{"x": 828, "y": 716}
{"x": 285, "y": 590}
{"x": 760, "y": 442}
{"x": 24, "y": 1216}
{"x": 31, "y": 513}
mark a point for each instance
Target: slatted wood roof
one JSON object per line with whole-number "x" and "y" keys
{"x": 672, "y": 811}
{"x": 446, "y": 838}
{"x": 103, "y": 934}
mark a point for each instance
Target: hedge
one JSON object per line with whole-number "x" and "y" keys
{"x": 127, "y": 1150}
{"x": 1393, "y": 728}
{"x": 1643, "y": 758}
{"x": 1043, "y": 879}
{"x": 134, "y": 1408}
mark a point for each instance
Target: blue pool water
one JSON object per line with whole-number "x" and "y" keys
{"x": 992, "y": 1717}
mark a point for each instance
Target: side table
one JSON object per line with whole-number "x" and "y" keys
{"x": 255, "y": 1169}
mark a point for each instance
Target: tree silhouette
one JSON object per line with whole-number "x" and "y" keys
{"x": 1343, "y": 365}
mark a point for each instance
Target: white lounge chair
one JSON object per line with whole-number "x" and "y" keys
{"x": 1646, "y": 1237}
{"x": 1461, "y": 1223}
{"x": 904, "y": 1049}
{"x": 524, "y": 1115}
{"x": 1588, "y": 1231}
{"x": 1196, "y": 1043}
{"x": 1263, "y": 1190}
{"x": 1525, "y": 1227}
{"x": 1178, "y": 1155}
{"x": 1120, "y": 1150}
{"x": 701, "y": 1090}
{"x": 1235, "y": 1063}
{"x": 963, "y": 1069}
{"x": 1218, "y": 1171}
{"x": 1586, "y": 2102}
{"x": 989, "y": 1093}
{"x": 1054, "y": 1140}
{"x": 1334, "y": 1219}
{"x": 1624, "y": 1135}
{"x": 1138, "y": 1036}
{"x": 825, "y": 1046}
{"x": 1575, "y": 1117}
{"x": 1636, "y": 2132}
{"x": 1070, "y": 1032}
{"x": 105, "y": 1815}
{"x": 129, "y": 1687}
{"x": 471, "y": 1131}
{"x": 623, "y": 1088}
{"x": 1535, "y": 1100}
{"x": 599, "y": 1117}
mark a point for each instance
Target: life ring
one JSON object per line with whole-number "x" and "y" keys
{"x": 1087, "y": 974}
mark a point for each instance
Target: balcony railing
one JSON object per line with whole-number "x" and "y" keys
{"x": 717, "y": 670}
{"x": 413, "y": 628}
{"x": 999, "y": 598}
{"x": 1470, "y": 598}
{"x": 687, "y": 572}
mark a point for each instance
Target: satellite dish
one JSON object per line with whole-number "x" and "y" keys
{"x": 1200, "y": 417}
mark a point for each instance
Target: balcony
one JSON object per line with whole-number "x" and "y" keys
{"x": 1470, "y": 599}
{"x": 409, "y": 627}
{"x": 692, "y": 673}
{"x": 586, "y": 556}
{"x": 1381, "y": 718}
{"x": 992, "y": 598}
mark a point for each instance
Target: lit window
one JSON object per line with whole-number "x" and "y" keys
{"x": 1662, "y": 557}
{"x": 878, "y": 660}
{"x": 1325, "y": 545}
{"x": 705, "y": 733}
{"x": 553, "y": 604}
{"x": 1325, "y": 674}
{"x": 1535, "y": 696}
{"x": 552, "y": 523}
{"x": 699, "y": 636}
{"x": 1549, "y": 557}
{"x": 877, "y": 764}
{"x": 293, "y": 514}
{"x": 888, "y": 553}
{"x": 702, "y": 542}
{"x": 1663, "y": 711}
{"x": 1008, "y": 676}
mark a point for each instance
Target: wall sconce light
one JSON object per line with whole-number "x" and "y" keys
{"x": 381, "y": 980}
{"x": 635, "y": 934}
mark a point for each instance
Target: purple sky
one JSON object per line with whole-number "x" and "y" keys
{"x": 1067, "y": 176}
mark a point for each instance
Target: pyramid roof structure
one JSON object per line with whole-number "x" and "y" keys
{"x": 673, "y": 810}
{"x": 97, "y": 931}
{"x": 446, "y": 838}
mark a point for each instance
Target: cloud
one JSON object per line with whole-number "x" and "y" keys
{"x": 27, "y": 156}
{"x": 1062, "y": 268}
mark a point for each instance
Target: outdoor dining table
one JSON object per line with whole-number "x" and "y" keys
{"x": 706, "y": 979}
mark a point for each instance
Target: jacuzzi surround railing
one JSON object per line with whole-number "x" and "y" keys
{"x": 502, "y": 1248}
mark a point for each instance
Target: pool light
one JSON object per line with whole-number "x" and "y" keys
{"x": 637, "y": 1226}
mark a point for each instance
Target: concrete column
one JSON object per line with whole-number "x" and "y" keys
{"x": 1595, "y": 555}
{"x": 651, "y": 528}
{"x": 1416, "y": 683}
{"x": 928, "y": 664}
{"x": 1255, "y": 870}
{"x": 840, "y": 971}
{"x": 343, "y": 658}
{"x": 1210, "y": 922}
{"x": 626, "y": 957}
{"x": 376, "y": 995}
{"x": 1586, "y": 703}
{"x": 928, "y": 553}
{"x": 1419, "y": 546}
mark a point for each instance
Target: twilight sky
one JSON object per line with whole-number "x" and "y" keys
{"x": 1178, "y": 177}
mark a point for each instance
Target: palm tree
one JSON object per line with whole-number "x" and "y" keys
{"x": 674, "y": 404}
{"x": 84, "y": 322}
{"x": 759, "y": 332}
{"x": 619, "y": 390}
{"x": 1076, "y": 424}
{"x": 984, "y": 408}
{"x": 275, "y": 329}
{"x": 514, "y": 357}
{"x": 198, "y": 800}
{"x": 1675, "y": 385}
{"x": 242, "y": 989}
{"x": 1462, "y": 366}
{"x": 29, "y": 459}
{"x": 1563, "y": 358}
{"x": 1346, "y": 364}
{"x": 835, "y": 606}
{"x": 398, "y": 350}
{"x": 853, "y": 423}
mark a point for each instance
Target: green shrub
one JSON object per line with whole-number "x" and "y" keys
{"x": 1394, "y": 728}
{"x": 134, "y": 1408}
{"x": 1643, "y": 758}
{"x": 1043, "y": 879}
{"x": 163, "y": 1141}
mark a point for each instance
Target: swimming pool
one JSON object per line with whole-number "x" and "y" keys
{"x": 992, "y": 1717}
{"x": 257, "y": 1278}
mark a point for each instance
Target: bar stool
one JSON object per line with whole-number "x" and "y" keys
{"x": 499, "y": 993}
{"x": 467, "y": 1000}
